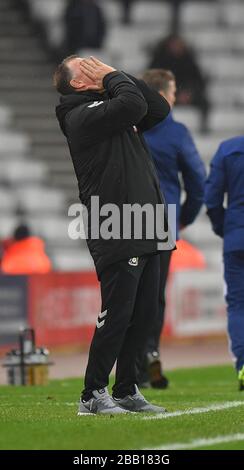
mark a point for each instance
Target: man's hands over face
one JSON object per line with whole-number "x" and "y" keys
{"x": 95, "y": 71}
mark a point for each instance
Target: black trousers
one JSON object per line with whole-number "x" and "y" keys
{"x": 154, "y": 334}
{"x": 130, "y": 291}
{"x": 154, "y": 337}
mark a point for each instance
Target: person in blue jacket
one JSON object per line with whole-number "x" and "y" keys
{"x": 176, "y": 158}
{"x": 226, "y": 178}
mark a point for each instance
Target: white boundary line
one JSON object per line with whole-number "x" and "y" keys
{"x": 195, "y": 411}
{"x": 201, "y": 442}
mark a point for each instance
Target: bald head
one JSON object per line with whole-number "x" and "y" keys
{"x": 68, "y": 77}
{"x": 79, "y": 81}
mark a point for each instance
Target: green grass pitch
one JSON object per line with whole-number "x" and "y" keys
{"x": 45, "y": 417}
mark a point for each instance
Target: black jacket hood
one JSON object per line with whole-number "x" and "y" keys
{"x": 68, "y": 102}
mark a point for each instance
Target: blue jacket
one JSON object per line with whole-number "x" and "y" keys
{"x": 227, "y": 177}
{"x": 174, "y": 153}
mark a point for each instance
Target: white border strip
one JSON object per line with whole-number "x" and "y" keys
{"x": 196, "y": 411}
{"x": 202, "y": 442}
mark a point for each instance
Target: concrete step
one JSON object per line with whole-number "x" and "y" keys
{"x": 11, "y": 43}
{"x": 31, "y": 112}
{"x": 65, "y": 180}
{"x": 33, "y": 55}
{"x": 45, "y": 138}
{"x": 30, "y": 84}
{"x": 5, "y": 5}
{"x": 15, "y": 29}
{"x": 47, "y": 152}
{"x": 16, "y": 98}
{"x": 11, "y": 16}
{"x": 25, "y": 70}
{"x": 37, "y": 124}
{"x": 64, "y": 166}
{"x": 14, "y": 142}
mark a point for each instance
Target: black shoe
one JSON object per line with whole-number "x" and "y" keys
{"x": 156, "y": 376}
{"x": 162, "y": 383}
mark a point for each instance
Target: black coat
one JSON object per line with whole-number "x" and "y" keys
{"x": 110, "y": 157}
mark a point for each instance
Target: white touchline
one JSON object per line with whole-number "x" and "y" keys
{"x": 195, "y": 411}
{"x": 201, "y": 442}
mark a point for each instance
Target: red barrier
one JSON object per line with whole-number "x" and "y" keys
{"x": 63, "y": 307}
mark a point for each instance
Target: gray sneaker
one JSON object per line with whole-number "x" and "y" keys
{"x": 138, "y": 403}
{"x": 101, "y": 403}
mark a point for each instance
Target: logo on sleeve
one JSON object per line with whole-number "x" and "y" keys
{"x": 95, "y": 104}
{"x": 133, "y": 261}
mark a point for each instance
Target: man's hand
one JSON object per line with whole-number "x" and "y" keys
{"x": 95, "y": 70}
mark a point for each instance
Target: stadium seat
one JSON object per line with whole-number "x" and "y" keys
{"x": 230, "y": 120}
{"x": 5, "y": 116}
{"x": 8, "y": 224}
{"x": 223, "y": 66}
{"x": 151, "y": 12}
{"x": 201, "y": 234}
{"x": 208, "y": 146}
{"x": 23, "y": 171}
{"x": 53, "y": 228}
{"x": 189, "y": 116}
{"x": 40, "y": 198}
{"x": 210, "y": 39}
{"x": 122, "y": 38}
{"x": 199, "y": 13}
{"x": 233, "y": 13}
{"x": 112, "y": 10}
{"x": 226, "y": 94}
{"x": 7, "y": 200}
{"x": 13, "y": 142}
{"x": 72, "y": 260}
{"x": 47, "y": 9}
{"x": 51, "y": 13}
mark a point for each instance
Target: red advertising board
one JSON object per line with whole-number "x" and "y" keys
{"x": 63, "y": 307}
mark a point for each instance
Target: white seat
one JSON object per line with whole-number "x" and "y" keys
{"x": 199, "y": 13}
{"x": 51, "y": 228}
{"x": 5, "y": 116}
{"x": 112, "y": 10}
{"x": 22, "y": 171}
{"x": 123, "y": 38}
{"x": 7, "y": 200}
{"x": 226, "y": 94}
{"x": 7, "y": 225}
{"x": 208, "y": 145}
{"x": 189, "y": 116}
{"x": 13, "y": 142}
{"x": 38, "y": 198}
{"x": 51, "y": 12}
{"x": 151, "y": 12}
{"x": 72, "y": 260}
{"x": 238, "y": 40}
{"x": 214, "y": 256}
{"x": 227, "y": 120}
{"x": 233, "y": 13}
{"x": 132, "y": 64}
{"x": 103, "y": 54}
{"x": 210, "y": 39}
{"x": 47, "y": 9}
{"x": 200, "y": 233}
{"x": 223, "y": 66}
